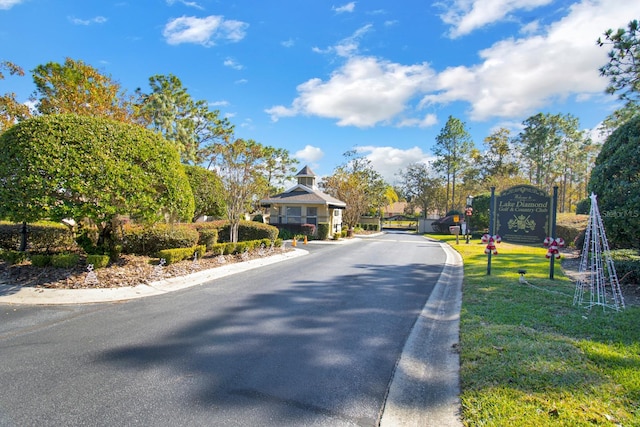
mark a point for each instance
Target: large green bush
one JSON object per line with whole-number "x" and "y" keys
{"x": 615, "y": 180}
{"x": 67, "y": 166}
{"x": 141, "y": 240}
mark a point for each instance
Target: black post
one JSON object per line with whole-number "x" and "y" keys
{"x": 552, "y": 230}
{"x": 491, "y": 212}
{"x": 23, "y": 237}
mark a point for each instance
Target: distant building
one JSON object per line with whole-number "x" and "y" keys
{"x": 304, "y": 203}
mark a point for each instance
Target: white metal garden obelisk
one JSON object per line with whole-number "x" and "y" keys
{"x": 597, "y": 279}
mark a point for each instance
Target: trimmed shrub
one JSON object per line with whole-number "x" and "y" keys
{"x": 218, "y": 249}
{"x": 64, "y": 260}
{"x": 42, "y": 236}
{"x": 285, "y": 234}
{"x": 171, "y": 256}
{"x": 266, "y": 243}
{"x": 174, "y": 255}
{"x": 98, "y": 261}
{"x": 583, "y": 207}
{"x": 627, "y": 264}
{"x": 242, "y": 247}
{"x": 277, "y": 243}
{"x": 201, "y": 250}
{"x": 248, "y": 230}
{"x": 208, "y": 237}
{"x": 229, "y": 248}
{"x": 40, "y": 260}
{"x": 13, "y": 257}
{"x": 308, "y": 230}
{"x": 139, "y": 240}
{"x": 568, "y": 233}
{"x": 208, "y": 232}
{"x": 323, "y": 231}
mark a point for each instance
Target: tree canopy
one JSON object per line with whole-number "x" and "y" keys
{"x": 78, "y": 88}
{"x": 358, "y": 185}
{"x": 190, "y": 125}
{"x": 623, "y": 68}
{"x": 423, "y": 188}
{"x": 452, "y": 149}
{"x": 11, "y": 111}
{"x": 70, "y": 166}
{"x": 615, "y": 180}
{"x": 208, "y": 192}
{"x": 241, "y": 165}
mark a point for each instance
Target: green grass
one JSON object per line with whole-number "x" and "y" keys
{"x": 529, "y": 357}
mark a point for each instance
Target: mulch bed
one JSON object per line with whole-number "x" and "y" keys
{"x": 129, "y": 270}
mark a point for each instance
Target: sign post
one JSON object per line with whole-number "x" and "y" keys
{"x": 492, "y": 211}
{"x": 552, "y": 229}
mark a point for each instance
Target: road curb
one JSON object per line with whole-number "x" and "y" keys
{"x": 19, "y": 295}
{"x": 425, "y": 387}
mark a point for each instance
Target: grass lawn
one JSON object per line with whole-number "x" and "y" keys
{"x": 529, "y": 357}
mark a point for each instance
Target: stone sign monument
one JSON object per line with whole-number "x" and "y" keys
{"x": 523, "y": 214}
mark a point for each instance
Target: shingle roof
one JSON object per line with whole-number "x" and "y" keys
{"x": 306, "y": 171}
{"x": 301, "y": 194}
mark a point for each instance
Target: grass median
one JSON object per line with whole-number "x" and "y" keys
{"x": 529, "y": 357}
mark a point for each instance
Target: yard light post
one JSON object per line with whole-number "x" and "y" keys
{"x": 467, "y": 213}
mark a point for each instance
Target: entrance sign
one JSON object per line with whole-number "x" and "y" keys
{"x": 523, "y": 214}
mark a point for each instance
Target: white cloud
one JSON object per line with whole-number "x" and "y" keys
{"x": 8, "y": 4}
{"x": 364, "y": 92}
{"x": 231, "y": 63}
{"x": 389, "y": 161}
{"x": 518, "y": 76}
{"x": 186, "y": 3}
{"x": 288, "y": 43}
{"x": 96, "y": 20}
{"x": 514, "y": 78}
{"x": 204, "y": 31}
{"x": 427, "y": 121}
{"x": 349, "y": 7}
{"x": 309, "y": 154}
{"x": 222, "y": 103}
{"x": 468, "y": 15}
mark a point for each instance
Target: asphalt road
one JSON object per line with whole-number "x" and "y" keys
{"x": 312, "y": 341}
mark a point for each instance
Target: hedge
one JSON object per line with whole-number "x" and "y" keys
{"x": 98, "y": 261}
{"x": 174, "y": 255}
{"x": 42, "y": 236}
{"x": 208, "y": 233}
{"x": 627, "y": 264}
{"x": 247, "y": 230}
{"x": 13, "y": 257}
{"x": 64, "y": 260}
{"x": 40, "y": 260}
{"x": 139, "y": 240}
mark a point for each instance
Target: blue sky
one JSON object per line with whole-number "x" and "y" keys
{"x": 322, "y": 77}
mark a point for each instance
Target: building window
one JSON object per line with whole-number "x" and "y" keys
{"x": 294, "y": 215}
{"x": 312, "y": 216}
